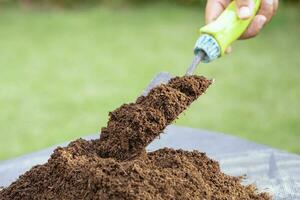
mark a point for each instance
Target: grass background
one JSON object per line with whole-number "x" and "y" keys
{"x": 63, "y": 71}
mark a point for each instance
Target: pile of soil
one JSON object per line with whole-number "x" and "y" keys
{"x": 116, "y": 166}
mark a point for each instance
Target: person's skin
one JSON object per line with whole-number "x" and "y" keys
{"x": 245, "y": 9}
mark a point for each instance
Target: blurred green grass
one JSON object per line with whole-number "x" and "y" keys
{"x": 63, "y": 71}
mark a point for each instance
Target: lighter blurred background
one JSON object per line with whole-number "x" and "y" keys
{"x": 66, "y": 63}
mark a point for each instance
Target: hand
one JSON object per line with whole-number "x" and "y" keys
{"x": 245, "y": 9}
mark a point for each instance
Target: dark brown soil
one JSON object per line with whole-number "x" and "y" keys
{"x": 116, "y": 166}
{"x": 133, "y": 126}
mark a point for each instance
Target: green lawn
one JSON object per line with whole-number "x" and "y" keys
{"x": 63, "y": 71}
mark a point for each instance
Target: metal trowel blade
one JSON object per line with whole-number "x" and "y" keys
{"x": 161, "y": 78}
{"x": 164, "y": 77}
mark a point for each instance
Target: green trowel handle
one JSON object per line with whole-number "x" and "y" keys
{"x": 228, "y": 27}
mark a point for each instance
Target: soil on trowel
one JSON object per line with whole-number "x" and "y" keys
{"x": 133, "y": 126}
{"x": 116, "y": 166}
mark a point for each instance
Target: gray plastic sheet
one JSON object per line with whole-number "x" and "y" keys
{"x": 271, "y": 170}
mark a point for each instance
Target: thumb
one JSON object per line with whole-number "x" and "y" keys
{"x": 245, "y": 8}
{"x": 214, "y": 8}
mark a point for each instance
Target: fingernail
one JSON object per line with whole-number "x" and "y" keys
{"x": 244, "y": 12}
{"x": 270, "y": 2}
{"x": 261, "y": 22}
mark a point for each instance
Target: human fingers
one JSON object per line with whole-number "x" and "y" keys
{"x": 255, "y": 27}
{"x": 214, "y": 8}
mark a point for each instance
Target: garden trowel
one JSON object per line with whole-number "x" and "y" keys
{"x": 213, "y": 41}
